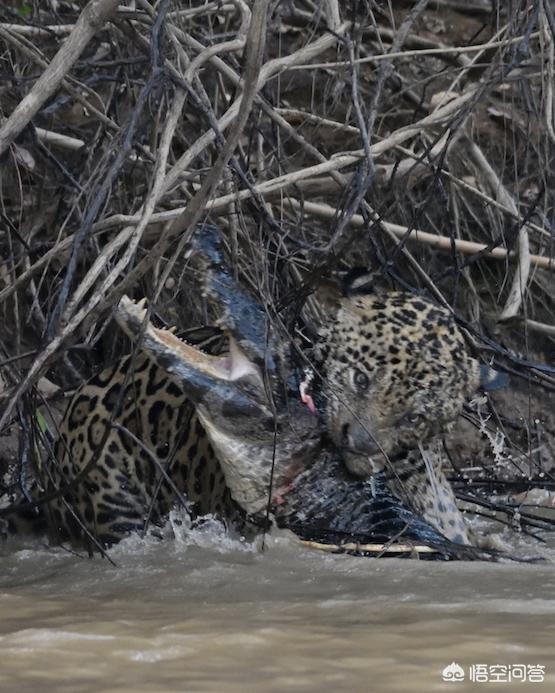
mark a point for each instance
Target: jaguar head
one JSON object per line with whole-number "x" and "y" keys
{"x": 396, "y": 373}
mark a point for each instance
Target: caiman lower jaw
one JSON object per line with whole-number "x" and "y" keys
{"x": 183, "y": 360}
{"x": 254, "y": 459}
{"x": 254, "y": 445}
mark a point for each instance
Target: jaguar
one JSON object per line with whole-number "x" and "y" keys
{"x": 250, "y": 432}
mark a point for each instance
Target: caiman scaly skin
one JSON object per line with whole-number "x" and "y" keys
{"x": 214, "y": 431}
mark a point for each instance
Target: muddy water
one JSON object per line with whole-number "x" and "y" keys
{"x": 205, "y": 613}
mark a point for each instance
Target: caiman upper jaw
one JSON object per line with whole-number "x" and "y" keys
{"x": 241, "y": 315}
{"x": 256, "y": 443}
{"x": 204, "y": 378}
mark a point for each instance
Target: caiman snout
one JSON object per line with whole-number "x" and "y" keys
{"x": 230, "y": 382}
{"x": 256, "y": 440}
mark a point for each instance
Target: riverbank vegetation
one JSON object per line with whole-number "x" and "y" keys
{"x": 415, "y": 139}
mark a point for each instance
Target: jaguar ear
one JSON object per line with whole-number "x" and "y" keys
{"x": 361, "y": 281}
{"x": 490, "y": 379}
{"x": 357, "y": 280}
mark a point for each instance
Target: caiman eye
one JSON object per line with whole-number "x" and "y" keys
{"x": 361, "y": 380}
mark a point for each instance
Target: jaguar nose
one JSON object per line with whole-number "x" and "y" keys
{"x": 359, "y": 440}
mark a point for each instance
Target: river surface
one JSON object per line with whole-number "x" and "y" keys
{"x": 207, "y": 613}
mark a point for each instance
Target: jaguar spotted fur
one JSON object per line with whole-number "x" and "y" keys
{"x": 216, "y": 432}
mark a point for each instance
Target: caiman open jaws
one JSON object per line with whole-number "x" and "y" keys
{"x": 264, "y": 436}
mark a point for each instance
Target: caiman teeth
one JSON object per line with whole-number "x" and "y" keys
{"x": 139, "y": 308}
{"x": 232, "y": 366}
{"x": 171, "y": 333}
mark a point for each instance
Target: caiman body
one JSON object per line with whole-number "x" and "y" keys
{"x": 278, "y": 461}
{"x": 241, "y": 435}
{"x": 268, "y": 442}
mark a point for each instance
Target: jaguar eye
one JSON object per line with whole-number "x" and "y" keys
{"x": 413, "y": 418}
{"x": 361, "y": 380}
